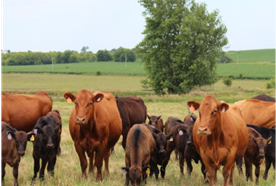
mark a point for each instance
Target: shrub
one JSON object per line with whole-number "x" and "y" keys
{"x": 227, "y": 81}
{"x": 240, "y": 76}
{"x": 98, "y": 73}
{"x": 231, "y": 76}
{"x": 271, "y": 83}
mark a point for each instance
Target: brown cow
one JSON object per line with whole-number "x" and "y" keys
{"x": 156, "y": 121}
{"x": 132, "y": 110}
{"x": 95, "y": 126}
{"x": 21, "y": 111}
{"x": 13, "y": 148}
{"x": 139, "y": 147}
{"x": 220, "y": 136}
{"x": 255, "y": 153}
{"x": 256, "y": 112}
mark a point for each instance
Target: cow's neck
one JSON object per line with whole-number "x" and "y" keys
{"x": 216, "y": 140}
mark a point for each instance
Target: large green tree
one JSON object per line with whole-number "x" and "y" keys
{"x": 182, "y": 41}
{"x": 121, "y": 53}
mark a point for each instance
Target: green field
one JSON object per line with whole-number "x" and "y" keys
{"x": 249, "y": 56}
{"x": 248, "y": 70}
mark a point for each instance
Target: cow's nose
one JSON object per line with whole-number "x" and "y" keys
{"x": 21, "y": 153}
{"x": 51, "y": 145}
{"x": 202, "y": 129}
{"x": 261, "y": 156}
{"x": 80, "y": 120}
{"x": 189, "y": 143}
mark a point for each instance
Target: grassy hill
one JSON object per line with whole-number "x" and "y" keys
{"x": 246, "y": 56}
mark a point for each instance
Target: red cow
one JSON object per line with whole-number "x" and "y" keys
{"x": 21, "y": 111}
{"x": 95, "y": 126}
{"x": 156, "y": 121}
{"x": 220, "y": 136}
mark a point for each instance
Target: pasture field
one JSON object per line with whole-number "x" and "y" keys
{"x": 245, "y": 56}
{"x": 68, "y": 171}
{"x": 248, "y": 70}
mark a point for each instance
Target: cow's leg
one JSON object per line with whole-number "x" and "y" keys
{"x": 91, "y": 163}
{"x": 231, "y": 180}
{"x": 82, "y": 157}
{"x": 127, "y": 174}
{"x": 257, "y": 173}
{"x": 3, "y": 170}
{"x": 267, "y": 166}
{"x": 106, "y": 161}
{"x": 189, "y": 165}
{"x": 176, "y": 154}
{"x": 15, "y": 173}
{"x": 181, "y": 163}
{"x": 51, "y": 166}
{"x": 43, "y": 165}
{"x": 99, "y": 162}
{"x": 203, "y": 170}
{"x": 239, "y": 165}
{"x": 154, "y": 169}
{"x": 36, "y": 167}
{"x": 166, "y": 161}
{"x": 248, "y": 169}
{"x": 211, "y": 174}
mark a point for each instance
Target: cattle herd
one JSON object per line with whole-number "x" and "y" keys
{"x": 222, "y": 135}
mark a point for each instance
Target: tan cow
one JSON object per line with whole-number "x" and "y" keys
{"x": 220, "y": 136}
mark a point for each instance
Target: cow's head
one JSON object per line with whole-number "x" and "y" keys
{"x": 20, "y": 138}
{"x": 262, "y": 145}
{"x": 209, "y": 113}
{"x": 190, "y": 136}
{"x": 190, "y": 119}
{"x": 84, "y": 104}
{"x": 135, "y": 173}
{"x": 153, "y": 120}
{"x": 161, "y": 143}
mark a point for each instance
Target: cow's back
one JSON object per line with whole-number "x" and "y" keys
{"x": 256, "y": 112}
{"x": 21, "y": 111}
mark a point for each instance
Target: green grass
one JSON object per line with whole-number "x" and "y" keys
{"x": 262, "y": 55}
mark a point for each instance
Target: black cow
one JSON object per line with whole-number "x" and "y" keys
{"x": 13, "y": 148}
{"x": 160, "y": 150}
{"x": 132, "y": 111}
{"x": 264, "y": 97}
{"x": 270, "y": 151}
{"x": 46, "y": 139}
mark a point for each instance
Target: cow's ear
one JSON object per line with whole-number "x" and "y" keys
{"x": 58, "y": 129}
{"x": 148, "y": 116}
{"x": 38, "y": 130}
{"x": 125, "y": 170}
{"x": 169, "y": 136}
{"x": 31, "y": 137}
{"x": 269, "y": 140}
{"x": 144, "y": 169}
{"x": 159, "y": 117}
{"x": 98, "y": 97}
{"x": 69, "y": 97}
{"x": 223, "y": 107}
{"x": 193, "y": 105}
{"x": 10, "y": 135}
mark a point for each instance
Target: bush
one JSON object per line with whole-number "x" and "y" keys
{"x": 98, "y": 73}
{"x": 241, "y": 76}
{"x": 231, "y": 76}
{"x": 227, "y": 81}
{"x": 271, "y": 83}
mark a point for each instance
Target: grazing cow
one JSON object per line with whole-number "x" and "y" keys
{"x": 160, "y": 150}
{"x": 220, "y": 136}
{"x": 46, "y": 140}
{"x": 156, "y": 121}
{"x": 255, "y": 153}
{"x": 256, "y": 112}
{"x": 264, "y": 97}
{"x": 132, "y": 110}
{"x": 13, "y": 148}
{"x": 95, "y": 126}
{"x": 270, "y": 151}
{"x": 22, "y": 111}
{"x": 139, "y": 147}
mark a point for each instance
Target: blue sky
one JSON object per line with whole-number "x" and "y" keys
{"x": 59, "y": 25}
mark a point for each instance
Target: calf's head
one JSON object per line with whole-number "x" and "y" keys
{"x": 161, "y": 143}
{"x": 209, "y": 114}
{"x": 262, "y": 145}
{"x": 135, "y": 173}
{"x": 153, "y": 120}
{"x": 20, "y": 138}
{"x": 84, "y": 104}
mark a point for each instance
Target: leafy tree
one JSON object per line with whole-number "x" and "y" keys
{"x": 84, "y": 49}
{"x": 103, "y": 55}
{"x": 224, "y": 58}
{"x": 121, "y": 53}
{"x": 182, "y": 41}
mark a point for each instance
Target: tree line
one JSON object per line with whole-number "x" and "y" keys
{"x": 38, "y": 58}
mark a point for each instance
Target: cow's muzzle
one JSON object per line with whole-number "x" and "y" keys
{"x": 80, "y": 121}
{"x": 21, "y": 153}
{"x": 204, "y": 131}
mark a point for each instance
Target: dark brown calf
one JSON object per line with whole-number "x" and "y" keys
{"x": 156, "y": 121}
{"x": 139, "y": 147}
{"x": 255, "y": 153}
{"x": 13, "y": 148}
